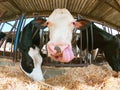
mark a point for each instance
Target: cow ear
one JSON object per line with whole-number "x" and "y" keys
{"x": 45, "y": 24}
{"x": 78, "y": 24}
{"x": 41, "y": 21}
{"x": 38, "y": 21}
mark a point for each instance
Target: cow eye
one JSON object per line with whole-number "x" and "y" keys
{"x": 73, "y": 23}
{"x": 48, "y": 23}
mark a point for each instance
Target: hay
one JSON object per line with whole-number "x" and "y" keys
{"x": 81, "y": 78}
{"x": 88, "y": 78}
{"x": 12, "y": 78}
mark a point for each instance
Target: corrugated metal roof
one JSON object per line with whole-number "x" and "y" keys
{"x": 103, "y": 11}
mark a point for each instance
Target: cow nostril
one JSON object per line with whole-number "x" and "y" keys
{"x": 57, "y": 49}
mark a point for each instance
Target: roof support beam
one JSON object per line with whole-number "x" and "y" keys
{"x": 99, "y": 20}
{"x": 3, "y": 0}
{"x": 97, "y": 5}
{"x": 118, "y": 9}
{"x": 3, "y": 13}
{"x": 108, "y": 3}
{"x": 14, "y": 4}
{"x": 118, "y": 5}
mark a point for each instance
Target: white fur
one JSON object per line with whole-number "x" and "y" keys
{"x": 60, "y": 26}
{"x": 36, "y": 74}
{"x": 44, "y": 49}
{"x": 94, "y": 53}
{"x": 8, "y": 48}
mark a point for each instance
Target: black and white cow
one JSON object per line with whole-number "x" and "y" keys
{"x": 102, "y": 40}
{"x": 29, "y": 43}
{"x": 2, "y": 35}
{"x": 6, "y": 44}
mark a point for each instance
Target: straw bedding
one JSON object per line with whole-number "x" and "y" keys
{"x": 80, "y": 78}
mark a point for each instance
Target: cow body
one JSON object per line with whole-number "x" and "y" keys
{"x": 2, "y": 35}
{"x": 29, "y": 47}
{"x": 6, "y": 45}
{"x": 104, "y": 41}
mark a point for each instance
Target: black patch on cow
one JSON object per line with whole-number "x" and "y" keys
{"x": 27, "y": 62}
{"x": 106, "y": 42}
{"x": 2, "y": 35}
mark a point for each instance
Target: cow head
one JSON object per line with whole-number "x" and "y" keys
{"x": 31, "y": 64}
{"x": 81, "y": 23}
{"x": 61, "y": 24}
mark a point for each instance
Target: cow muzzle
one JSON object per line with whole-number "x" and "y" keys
{"x": 60, "y": 52}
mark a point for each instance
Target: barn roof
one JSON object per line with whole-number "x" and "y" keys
{"x": 101, "y": 11}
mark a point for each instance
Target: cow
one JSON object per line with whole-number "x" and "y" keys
{"x": 29, "y": 42}
{"x": 106, "y": 42}
{"x": 2, "y": 35}
{"x": 6, "y": 44}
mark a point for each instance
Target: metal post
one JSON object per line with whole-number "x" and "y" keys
{"x": 18, "y": 31}
{"x": 2, "y": 27}
{"x": 17, "y": 34}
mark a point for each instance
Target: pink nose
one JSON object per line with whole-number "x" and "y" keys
{"x": 56, "y": 48}
{"x": 60, "y": 52}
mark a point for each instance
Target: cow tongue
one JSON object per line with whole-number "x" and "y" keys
{"x": 67, "y": 55}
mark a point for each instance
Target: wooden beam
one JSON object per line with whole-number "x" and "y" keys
{"x": 14, "y": 5}
{"x": 2, "y": 14}
{"x": 117, "y": 9}
{"x": 117, "y": 4}
{"x": 97, "y": 6}
{"x": 3, "y": 0}
{"x": 107, "y": 2}
{"x": 48, "y": 12}
{"x": 99, "y": 20}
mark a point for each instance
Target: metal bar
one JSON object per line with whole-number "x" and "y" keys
{"x": 87, "y": 43}
{"x": 66, "y": 65}
{"x": 17, "y": 37}
{"x": 41, "y": 33}
{"x": 2, "y": 27}
{"x": 22, "y": 30}
{"x": 81, "y": 42}
{"x": 10, "y": 24}
{"x": 87, "y": 48}
{"x": 9, "y": 32}
{"x": 81, "y": 47}
{"x": 18, "y": 31}
{"x": 92, "y": 38}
